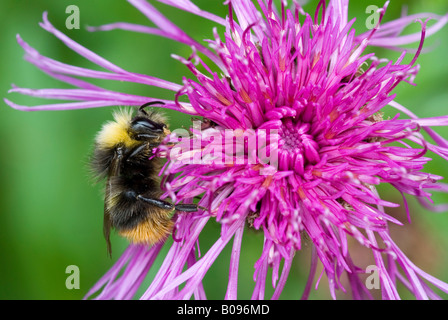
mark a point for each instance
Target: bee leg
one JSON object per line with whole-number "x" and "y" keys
{"x": 136, "y": 151}
{"x": 169, "y": 206}
{"x": 186, "y": 207}
{"x": 157, "y": 202}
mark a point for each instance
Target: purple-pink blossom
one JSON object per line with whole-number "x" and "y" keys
{"x": 303, "y": 83}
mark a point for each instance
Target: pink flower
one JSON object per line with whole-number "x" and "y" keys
{"x": 311, "y": 93}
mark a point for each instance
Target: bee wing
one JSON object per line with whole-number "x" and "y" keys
{"x": 107, "y": 224}
{"x": 114, "y": 170}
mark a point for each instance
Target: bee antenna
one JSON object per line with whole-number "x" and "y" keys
{"x": 142, "y": 107}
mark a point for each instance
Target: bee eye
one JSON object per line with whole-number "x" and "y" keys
{"x": 146, "y": 125}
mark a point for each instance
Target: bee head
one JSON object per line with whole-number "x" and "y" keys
{"x": 147, "y": 126}
{"x": 141, "y": 125}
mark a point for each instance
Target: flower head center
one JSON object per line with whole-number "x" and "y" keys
{"x": 297, "y": 146}
{"x": 292, "y": 136}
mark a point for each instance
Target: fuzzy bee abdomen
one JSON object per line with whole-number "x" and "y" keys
{"x": 152, "y": 229}
{"x": 125, "y": 209}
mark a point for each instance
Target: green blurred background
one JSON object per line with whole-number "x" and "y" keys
{"x": 51, "y": 212}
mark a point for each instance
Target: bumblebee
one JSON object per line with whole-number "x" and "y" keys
{"x": 124, "y": 155}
